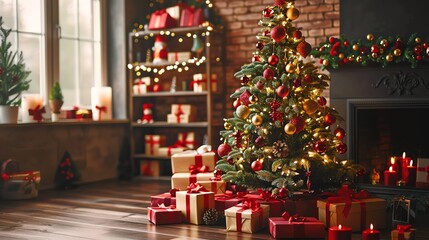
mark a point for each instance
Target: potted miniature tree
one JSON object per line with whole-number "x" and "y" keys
{"x": 56, "y": 101}
{"x": 13, "y": 78}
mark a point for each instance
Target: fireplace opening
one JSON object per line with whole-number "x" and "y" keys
{"x": 382, "y": 129}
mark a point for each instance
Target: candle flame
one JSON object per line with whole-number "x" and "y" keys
{"x": 411, "y": 163}
{"x": 339, "y": 226}
{"x": 391, "y": 169}
{"x": 371, "y": 226}
{"x": 392, "y": 160}
{"x": 403, "y": 155}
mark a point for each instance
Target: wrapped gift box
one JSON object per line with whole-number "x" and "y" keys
{"x": 149, "y": 168}
{"x": 249, "y": 220}
{"x": 152, "y": 144}
{"x": 224, "y": 201}
{"x": 139, "y": 88}
{"x": 191, "y": 17}
{"x": 16, "y": 184}
{"x": 175, "y": 11}
{"x": 164, "y": 199}
{"x": 358, "y": 218}
{"x": 162, "y": 215}
{"x": 178, "y": 109}
{"x": 179, "y": 56}
{"x": 160, "y": 20}
{"x": 193, "y": 205}
{"x": 182, "y": 180}
{"x": 187, "y": 139}
{"x": 199, "y": 82}
{"x": 218, "y": 187}
{"x": 180, "y": 162}
{"x": 422, "y": 179}
{"x": 403, "y": 232}
{"x": 169, "y": 151}
{"x": 174, "y": 118}
{"x": 304, "y": 227}
{"x": 276, "y": 206}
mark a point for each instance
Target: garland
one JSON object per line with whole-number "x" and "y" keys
{"x": 383, "y": 50}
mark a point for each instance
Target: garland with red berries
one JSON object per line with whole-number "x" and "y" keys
{"x": 382, "y": 50}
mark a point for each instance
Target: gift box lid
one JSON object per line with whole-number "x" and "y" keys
{"x": 192, "y": 153}
{"x": 372, "y": 204}
{"x": 246, "y": 214}
{"x": 306, "y": 220}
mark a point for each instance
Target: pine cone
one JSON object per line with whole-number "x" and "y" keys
{"x": 303, "y": 48}
{"x": 280, "y": 149}
{"x": 210, "y": 217}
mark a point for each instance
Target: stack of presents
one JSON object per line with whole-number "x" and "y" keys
{"x": 198, "y": 190}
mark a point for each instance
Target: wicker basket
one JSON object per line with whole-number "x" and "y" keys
{"x": 18, "y": 185}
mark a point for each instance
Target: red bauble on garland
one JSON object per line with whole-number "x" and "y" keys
{"x": 332, "y": 40}
{"x": 256, "y": 165}
{"x": 217, "y": 172}
{"x": 342, "y": 148}
{"x": 260, "y": 85}
{"x": 278, "y": 33}
{"x": 320, "y": 147}
{"x": 273, "y": 60}
{"x": 299, "y": 123}
{"x": 244, "y": 80}
{"x": 256, "y": 58}
{"x": 236, "y": 103}
{"x": 224, "y": 149}
{"x": 296, "y": 82}
{"x": 297, "y": 34}
{"x": 308, "y": 78}
{"x": 330, "y": 119}
{"x": 339, "y": 133}
{"x": 259, "y": 45}
{"x": 321, "y": 100}
{"x": 269, "y": 74}
{"x": 282, "y": 91}
{"x": 375, "y": 49}
{"x": 267, "y": 12}
{"x": 303, "y": 48}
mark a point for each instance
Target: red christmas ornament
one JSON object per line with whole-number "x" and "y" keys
{"x": 217, "y": 172}
{"x": 223, "y": 149}
{"x": 236, "y": 103}
{"x": 425, "y": 45}
{"x": 269, "y": 74}
{"x": 256, "y": 58}
{"x": 346, "y": 43}
{"x": 230, "y": 160}
{"x": 335, "y": 50}
{"x": 273, "y": 60}
{"x": 244, "y": 98}
{"x": 267, "y": 12}
{"x": 319, "y": 147}
{"x": 296, "y": 82}
{"x": 308, "y": 78}
{"x": 341, "y": 148}
{"x": 399, "y": 44}
{"x": 260, "y": 85}
{"x": 419, "y": 58}
{"x": 283, "y": 192}
{"x": 339, "y": 133}
{"x": 156, "y": 87}
{"x": 303, "y": 48}
{"x": 330, "y": 119}
{"x": 259, "y": 45}
{"x": 278, "y": 33}
{"x": 244, "y": 80}
{"x": 418, "y": 49}
{"x": 332, "y": 40}
{"x": 375, "y": 49}
{"x": 297, "y": 34}
{"x": 299, "y": 123}
{"x": 321, "y": 100}
{"x": 282, "y": 91}
{"x": 256, "y": 165}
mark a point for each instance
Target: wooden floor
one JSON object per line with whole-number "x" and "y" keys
{"x": 105, "y": 210}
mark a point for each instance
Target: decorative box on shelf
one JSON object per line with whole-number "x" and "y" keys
{"x": 199, "y": 82}
{"x": 153, "y": 143}
{"x": 141, "y": 85}
{"x": 149, "y": 168}
{"x": 181, "y": 113}
{"x": 169, "y": 151}
{"x": 161, "y": 20}
{"x": 191, "y": 17}
{"x": 179, "y": 56}
{"x": 422, "y": 179}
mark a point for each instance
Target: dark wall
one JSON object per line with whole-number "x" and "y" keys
{"x": 383, "y": 17}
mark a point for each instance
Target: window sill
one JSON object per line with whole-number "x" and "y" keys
{"x": 66, "y": 122}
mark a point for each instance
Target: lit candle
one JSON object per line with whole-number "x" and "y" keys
{"x": 393, "y": 163}
{"x": 411, "y": 176}
{"x": 404, "y": 166}
{"x": 101, "y": 103}
{"x": 390, "y": 177}
{"x": 371, "y": 234}
{"x": 30, "y": 101}
{"x": 340, "y": 233}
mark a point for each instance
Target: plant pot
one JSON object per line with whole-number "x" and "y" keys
{"x": 8, "y": 114}
{"x": 55, "y": 105}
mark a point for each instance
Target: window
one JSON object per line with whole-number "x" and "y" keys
{"x": 61, "y": 41}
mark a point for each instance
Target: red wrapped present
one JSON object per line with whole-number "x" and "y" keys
{"x": 403, "y": 232}
{"x": 163, "y": 215}
{"x": 291, "y": 227}
{"x": 191, "y": 17}
{"x": 248, "y": 216}
{"x": 265, "y": 198}
{"x": 149, "y": 168}
{"x": 422, "y": 179}
{"x": 160, "y": 20}
{"x": 164, "y": 199}
{"x": 305, "y": 204}
{"x": 194, "y": 202}
{"x": 227, "y": 200}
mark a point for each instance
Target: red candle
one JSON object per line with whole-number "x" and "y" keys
{"x": 393, "y": 163}
{"x": 411, "y": 177}
{"x": 340, "y": 233}
{"x": 405, "y": 162}
{"x": 371, "y": 234}
{"x": 390, "y": 177}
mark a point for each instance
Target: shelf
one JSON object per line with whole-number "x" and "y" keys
{"x": 151, "y": 157}
{"x": 175, "y": 30}
{"x": 171, "y": 94}
{"x": 172, "y": 125}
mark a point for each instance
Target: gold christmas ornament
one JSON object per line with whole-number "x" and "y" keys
{"x": 253, "y": 99}
{"x": 243, "y": 111}
{"x": 227, "y": 125}
{"x": 341, "y": 55}
{"x": 350, "y": 58}
{"x": 292, "y": 13}
{"x": 290, "y": 129}
{"x": 359, "y": 59}
{"x": 290, "y": 67}
{"x": 370, "y": 37}
{"x": 389, "y": 57}
{"x": 310, "y": 106}
{"x": 397, "y": 52}
{"x": 384, "y": 43}
{"x": 418, "y": 40}
{"x": 374, "y": 55}
{"x": 325, "y": 62}
{"x": 257, "y": 120}
{"x": 355, "y": 47}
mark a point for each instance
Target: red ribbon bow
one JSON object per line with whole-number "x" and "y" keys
{"x": 250, "y": 204}
{"x": 265, "y": 194}
{"x": 402, "y": 228}
{"x": 346, "y": 195}
{"x": 178, "y": 112}
{"x": 100, "y": 110}
{"x": 196, "y": 188}
{"x": 292, "y": 218}
{"x": 173, "y": 192}
{"x": 193, "y": 169}
{"x": 37, "y": 113}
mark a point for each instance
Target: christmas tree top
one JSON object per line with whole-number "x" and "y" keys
{"x": 280, "y": 136}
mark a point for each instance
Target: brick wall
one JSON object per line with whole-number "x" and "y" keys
{"x": 318, "y": 18}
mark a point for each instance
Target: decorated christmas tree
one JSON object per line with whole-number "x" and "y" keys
{"x": 282, "y": 136}
{"x": 67, "y": 173}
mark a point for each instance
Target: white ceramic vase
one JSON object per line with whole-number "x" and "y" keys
{"x": 8, "y": 114}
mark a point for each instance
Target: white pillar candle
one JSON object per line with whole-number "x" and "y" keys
{"x": 101, "y": 103}
{"x": 30, "y": 101}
